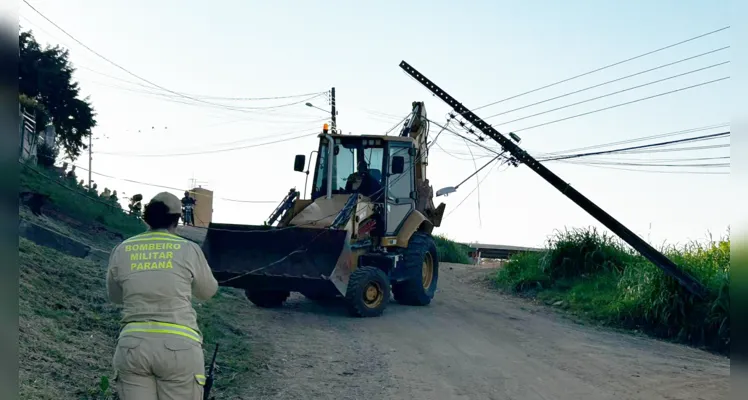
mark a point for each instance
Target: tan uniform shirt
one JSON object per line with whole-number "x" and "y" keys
{"x": 155, "y": 274}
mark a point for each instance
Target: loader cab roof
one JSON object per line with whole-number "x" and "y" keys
{"x": 375, "y": 137}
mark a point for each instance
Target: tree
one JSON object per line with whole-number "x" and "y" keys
{"x": 46, "y": 76}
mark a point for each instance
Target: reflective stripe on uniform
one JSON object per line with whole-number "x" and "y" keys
{"x": 159, "y": 236}
{"x": 162, "y": 327}
{"x": 200, "y": 379}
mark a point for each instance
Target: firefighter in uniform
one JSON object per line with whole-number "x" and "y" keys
{"x": 154, "y": 276}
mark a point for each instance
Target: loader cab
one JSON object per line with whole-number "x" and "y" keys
{"x": 385, "y": 165}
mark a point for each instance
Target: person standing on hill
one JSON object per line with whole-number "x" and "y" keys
{"x": 154, "y": 276}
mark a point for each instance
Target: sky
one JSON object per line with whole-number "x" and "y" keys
{"x": 478, "y": 51}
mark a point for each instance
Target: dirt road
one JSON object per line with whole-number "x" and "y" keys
{"x": 471, "y": 343}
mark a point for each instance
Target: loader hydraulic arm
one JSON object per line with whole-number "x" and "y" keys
{"x": 416, "y": 127}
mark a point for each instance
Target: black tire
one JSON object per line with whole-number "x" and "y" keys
{"x": 412, "y": 291}
{"x": 363, "y": 282}
{"x": 267, "y": 299}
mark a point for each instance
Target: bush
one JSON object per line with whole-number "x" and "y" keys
{"x": 596, "y": 275}
{"x": 46, "y": 155}
{"x": 451, "y": 251}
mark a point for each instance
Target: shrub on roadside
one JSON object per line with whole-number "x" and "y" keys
{"x": 451, "y": 251}
{"x": 596, "y": 275}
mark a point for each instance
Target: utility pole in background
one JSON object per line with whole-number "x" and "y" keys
{"x": 90, "y": 157}
{"x": 334, "y": 112}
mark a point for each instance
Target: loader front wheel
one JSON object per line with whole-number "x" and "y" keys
{"x": 267, "y": 298}
{"x": 421, "y": 262}
{"x": 368, "y": 292}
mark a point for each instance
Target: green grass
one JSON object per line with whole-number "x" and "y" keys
{"x": 595, "y": 276}
{"x": 68, "y": 330}
{"x": 67, "y": 326}
{"x": 451, "y": 251}
{"x": 77, "y": 204}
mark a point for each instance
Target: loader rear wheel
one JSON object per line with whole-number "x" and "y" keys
{"x": 368, "y": 292}
{"x": 422, "y": 263}
{"x": 267, "y": 298}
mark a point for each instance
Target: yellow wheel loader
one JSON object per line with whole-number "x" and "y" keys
{"x": 363, "y": 234}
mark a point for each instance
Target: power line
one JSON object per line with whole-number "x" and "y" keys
{"x": 605, "y": 83}
{"x": 179, "y": 100}
{"x": 278, "y": 135}
{"x": 213, "y": 151}
{"x": 615, "y": 93}
{"x": 650, "y": 171}
{"x": 115, "y": 64}
{"x": 471, "y": 192}
{"x": 707, "y": 165}
{"x": 602, "y": 68}
{"x": 622, "y": 104}
{"x": 717, "y": 146}
{"x": 645, "y": 146}
{"x": 173, "y": 188}
{"x": 630, "y": 150}
{"x": 639, "y": 139}
{"x": 203, "y": 95}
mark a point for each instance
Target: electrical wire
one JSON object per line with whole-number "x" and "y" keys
{"x": 614, "y": 93}
{"x": 475, "y": 165}
{"x": 471, "y": 192}
{"x": 622, "y": 104}
{"x": 707, "y": 165}
{"x": 171, "y": 188}
{"x": 636, "y": 149}
{"x": 213, "y": 151}
{"x": 463, "y": 137}
{"x": 639, "y": 139}
{"x": 114, "y": 63}
{"x": 222, "y": 98}
{"x": 57, "y": 182}
{"x": 645, "y": 146}
{"x": 305, "y": 131}
{"x": 608, "y": 82}
{"x": 602, "y": 68}
{"x": 651, "y": 171}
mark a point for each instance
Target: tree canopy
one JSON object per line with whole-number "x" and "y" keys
{"x": 46, "y": 76}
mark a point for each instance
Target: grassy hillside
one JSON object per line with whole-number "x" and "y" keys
{"x": 595, "y": 276}
{"x": 76, "y": 205}
{"x": 68, "y": 328}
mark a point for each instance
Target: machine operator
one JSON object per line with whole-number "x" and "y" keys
{"x": 154, "y": 276}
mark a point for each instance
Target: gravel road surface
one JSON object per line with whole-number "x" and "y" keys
{"x": 470, "y": 343}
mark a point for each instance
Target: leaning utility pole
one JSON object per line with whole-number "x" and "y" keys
{"x": 334, "y": 112}
{"x": 652, "y": 254}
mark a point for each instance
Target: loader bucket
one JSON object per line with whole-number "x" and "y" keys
{"x": 269, "y": 258}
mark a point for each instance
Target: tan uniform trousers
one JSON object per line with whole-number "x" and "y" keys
{"x": 153, "y": 366}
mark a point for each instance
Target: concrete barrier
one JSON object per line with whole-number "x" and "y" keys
{"x": 65, "y": 244}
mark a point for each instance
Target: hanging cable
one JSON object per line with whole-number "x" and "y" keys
{"x": 622, "y": 104}
{"x": 608, "y": 82}
{"x": 310, "y": 134}
{"x": 602, "y": 68}
{"x": 612, "y": 93}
